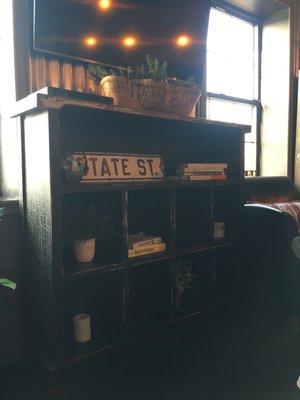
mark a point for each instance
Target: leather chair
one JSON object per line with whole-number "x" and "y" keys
{"x": 271, "y": 274}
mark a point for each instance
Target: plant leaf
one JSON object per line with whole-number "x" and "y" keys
{"x": 98, "y": 72}
{"x": 8, "y": 283}
{"x": 2, "y": 213}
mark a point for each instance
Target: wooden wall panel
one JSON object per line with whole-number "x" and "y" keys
{"x": 66, "y": 75}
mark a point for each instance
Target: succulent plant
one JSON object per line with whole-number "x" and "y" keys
{"x": 151, "y": 69}
{"x": 183, "y": 280}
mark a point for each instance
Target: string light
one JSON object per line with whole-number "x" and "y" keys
{"x": 183, "y": 41}
{"x": 129, "y": 41}
{"x": 105, "y": 5}
{"x": 91, "y": 41}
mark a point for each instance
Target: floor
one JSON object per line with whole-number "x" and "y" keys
{"x": 248, "y": 358}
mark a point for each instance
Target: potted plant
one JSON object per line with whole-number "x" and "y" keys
{"x": 83, "y": 227}
{"x": 183, "y": 280}
{"x": 8, "y": 283}
{"x": 147, "y": 87}
{"x": 4, "y": 281}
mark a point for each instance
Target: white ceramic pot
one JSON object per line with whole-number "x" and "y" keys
{"x": 84, "y": 250}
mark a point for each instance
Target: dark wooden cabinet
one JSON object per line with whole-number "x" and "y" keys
{"x": 124, "y": 296}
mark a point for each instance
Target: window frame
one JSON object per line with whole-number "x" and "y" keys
{"x": 250, "y": 18}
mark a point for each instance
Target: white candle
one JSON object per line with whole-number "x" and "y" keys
{"x": 82, "y": 328}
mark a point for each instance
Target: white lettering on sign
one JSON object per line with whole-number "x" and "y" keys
{"x": 119, "y": 167}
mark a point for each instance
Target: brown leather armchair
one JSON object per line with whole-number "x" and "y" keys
{"x": 271, "y": 275}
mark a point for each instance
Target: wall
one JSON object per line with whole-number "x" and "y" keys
{"x": 8, "y": 132}
{"x": 297, "y": 102}
{"x": 295, "y": 66}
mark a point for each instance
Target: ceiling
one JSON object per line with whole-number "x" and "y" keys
{"x": 260, "y": 8}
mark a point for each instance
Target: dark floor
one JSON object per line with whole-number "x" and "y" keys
{"x": 251, "y": 359}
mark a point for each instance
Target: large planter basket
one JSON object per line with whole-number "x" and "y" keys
{"x": 148, "y": 94}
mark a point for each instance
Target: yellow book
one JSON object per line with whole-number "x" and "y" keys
{"x": 155, "y": 248}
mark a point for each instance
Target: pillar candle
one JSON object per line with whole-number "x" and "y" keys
{"x": 82, "y": 328}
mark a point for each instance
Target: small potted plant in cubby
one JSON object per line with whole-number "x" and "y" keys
{"x": 83, "y": 227}
{"x": 183, "y": 280}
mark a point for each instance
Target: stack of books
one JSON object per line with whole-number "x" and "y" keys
{"x": 141, "y": 244}
{"x": 202, "y": 172}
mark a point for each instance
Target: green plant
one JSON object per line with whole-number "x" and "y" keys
{"x": 183, "y": 275}
{"x": 85, "y": 224}
{"x": 2, "y": 213}
{"x": 151, "y": 69}
{"x": 3, "y": 281}
{"x": 97, "y": 72}
{"x": 8, "y": 283}
{"x": 183, "y": 280}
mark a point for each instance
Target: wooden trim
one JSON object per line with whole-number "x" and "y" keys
{"x": 235, "y": 11}
{"x": 38, "y": 101}
{"x": 224, "y": 97}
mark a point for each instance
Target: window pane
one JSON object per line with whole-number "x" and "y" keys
{"x": 238, "y": 113}
{"x": 231, "y": 55}
{"x": 250, "y": 156}
{"x": 229, "y": 111}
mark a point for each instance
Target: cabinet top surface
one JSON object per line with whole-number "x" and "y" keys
{"x": 39, "y": 101}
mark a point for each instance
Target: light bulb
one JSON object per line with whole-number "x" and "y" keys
{"x": 105, "y": 5}
{"x": 183, "y": 41}
{"x": 90, "y": 41}
{"x": 129, "y": 41}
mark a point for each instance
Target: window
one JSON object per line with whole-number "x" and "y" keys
{"x": 232, "y": 77}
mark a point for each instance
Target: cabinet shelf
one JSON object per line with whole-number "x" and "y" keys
{"x": 69, "y": 188}
{"x": 93, "y": 270}
{"x": 85, "y": 350}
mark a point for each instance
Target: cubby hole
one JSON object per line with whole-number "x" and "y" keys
{"x": 193, "y": 283}
{"x": 149, "y": 302}
{"x": 102, "y": 299}
{"x": 149, "y": 212}
{"x": 108, "y": 250}
{"x": 193, "y": 217}
{"x": 226, "y": 212}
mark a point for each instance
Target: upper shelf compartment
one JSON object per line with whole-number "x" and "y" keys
{"x": 89, "y": 126}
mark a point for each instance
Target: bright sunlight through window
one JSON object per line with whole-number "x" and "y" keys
{"x": 232, "y": 76}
